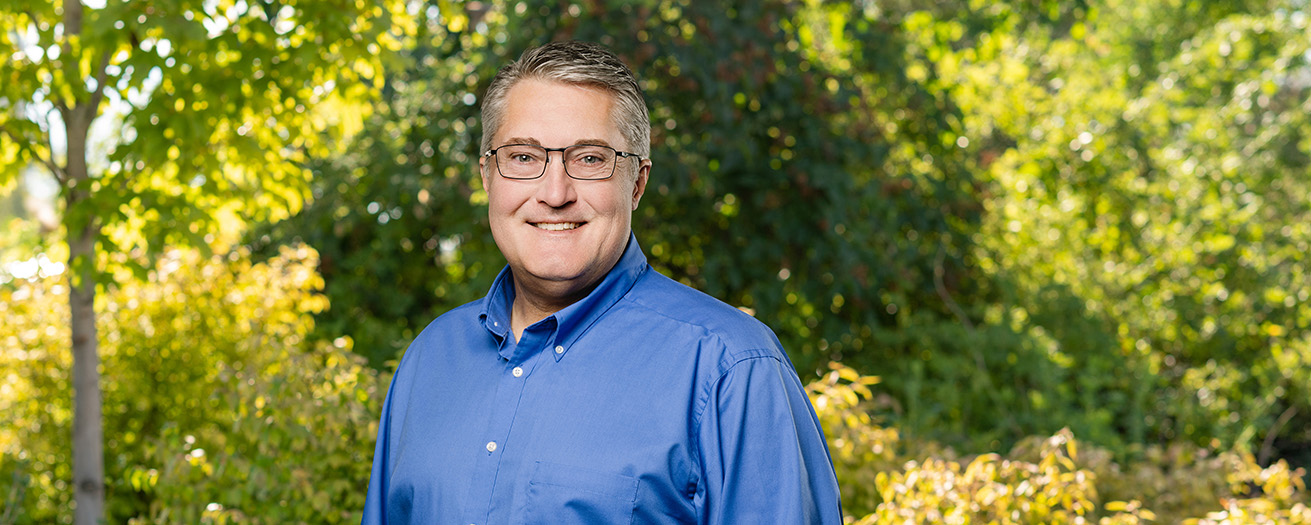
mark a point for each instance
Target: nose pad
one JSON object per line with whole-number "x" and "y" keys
{"x": 550, "y": 162}
{"x": 557, "y": 188}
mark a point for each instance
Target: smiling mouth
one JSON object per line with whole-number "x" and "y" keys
{"x": 557, "y": 226}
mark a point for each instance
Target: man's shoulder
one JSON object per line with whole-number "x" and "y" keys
{"x": 461, "y": 318}
{"x": 673, "y": 302}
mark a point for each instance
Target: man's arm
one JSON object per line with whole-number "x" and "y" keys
{"x": 763, "y": 454}
{"x": 375, "y": 504}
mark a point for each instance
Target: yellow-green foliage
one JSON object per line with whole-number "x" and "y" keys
{"x": 1042, "y": 480}
{"x": 216, "y": 410}
{"x": 860, "y": 449}
{"x": 989, "y": 489}
{"x": 1185, "y": 481}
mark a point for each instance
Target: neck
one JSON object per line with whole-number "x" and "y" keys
{"x": 531, "y": 305}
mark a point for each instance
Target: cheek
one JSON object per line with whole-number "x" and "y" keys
{"x": 503, "y": 201}
{"x": 619, "y": 200}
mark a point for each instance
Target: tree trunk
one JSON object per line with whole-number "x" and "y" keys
{"x": 83, "y": 227}
{"x": 88, "y": 443}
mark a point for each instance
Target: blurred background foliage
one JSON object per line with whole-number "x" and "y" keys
{"x": 1026, "y": 218}
{"x": 216, "y": 404}
{"x": 1074, "y": 216}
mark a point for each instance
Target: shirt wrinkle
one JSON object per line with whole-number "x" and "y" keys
{"x": 730, "y": 358}
{"x": 703, "y": 398}
{"x": 665, "y": 311}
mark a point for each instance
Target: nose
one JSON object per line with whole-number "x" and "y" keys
{"x": 556, "y": 188}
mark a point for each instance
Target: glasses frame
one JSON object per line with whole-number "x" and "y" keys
{"x": 618, "y": 155}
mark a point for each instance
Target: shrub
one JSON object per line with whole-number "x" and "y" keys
{"x": 1053, "y": 479}
{"x": 216, "y": 410}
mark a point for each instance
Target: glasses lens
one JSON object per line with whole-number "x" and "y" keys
{"x": 521, "y": 161}
{"x": 589, "y": 162}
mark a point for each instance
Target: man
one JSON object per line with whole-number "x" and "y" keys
{"x": 586, "y": 387}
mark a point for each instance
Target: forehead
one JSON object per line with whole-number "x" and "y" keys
{"x": 557, "y": 114}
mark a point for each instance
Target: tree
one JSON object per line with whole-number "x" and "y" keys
{"x": 1148, "y": 216}
{"x": 210, "y": 110}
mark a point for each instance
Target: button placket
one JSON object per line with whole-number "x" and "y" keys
{"x": 517, "y": 360}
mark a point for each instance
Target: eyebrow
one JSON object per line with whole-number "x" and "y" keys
{"x": 535, "y": 142}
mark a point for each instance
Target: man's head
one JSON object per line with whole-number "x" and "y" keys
{"x": 561, "y": 233}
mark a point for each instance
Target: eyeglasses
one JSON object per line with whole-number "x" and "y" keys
{"x": 581, "y": 161}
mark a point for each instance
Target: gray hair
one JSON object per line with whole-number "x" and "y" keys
{"x": 574, "y": 62}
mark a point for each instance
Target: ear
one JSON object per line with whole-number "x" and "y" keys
{"x": 639, "y": 185}
{"x": 482, "y": 171}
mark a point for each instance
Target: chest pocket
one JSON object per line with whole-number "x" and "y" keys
{"x": 563, "y": 495}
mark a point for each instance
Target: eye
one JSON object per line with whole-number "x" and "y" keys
{"x": 589, "y": 156}
{"x": 521, "y": 154}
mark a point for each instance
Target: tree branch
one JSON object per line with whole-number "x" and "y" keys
{"x": 72, "y": 27}
{"x": 32, "y": 16}
{"x": 1268, "y": 444}
{"x": 66, "y": 115}
{"x": 49, "y": 163}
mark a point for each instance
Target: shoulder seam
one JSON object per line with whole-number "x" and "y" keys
{"x": 703, "y": 397}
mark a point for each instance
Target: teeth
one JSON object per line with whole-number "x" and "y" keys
{"x": 557, "y": 226}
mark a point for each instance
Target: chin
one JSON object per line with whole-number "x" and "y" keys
{"x": 559, "y": 274}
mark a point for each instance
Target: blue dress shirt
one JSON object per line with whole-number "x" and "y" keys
{"x": 645, "y": 402}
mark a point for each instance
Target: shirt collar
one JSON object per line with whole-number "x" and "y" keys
{"x": 574, "y": 320}
{"x": 495, "y": 313}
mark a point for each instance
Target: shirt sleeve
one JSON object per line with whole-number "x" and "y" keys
{"x": 763, "y": 454}
{"x": 374, "y": 509}
{"x": 375, "y": 503}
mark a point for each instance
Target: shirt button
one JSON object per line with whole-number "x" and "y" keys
{"x": 491, "y": 446}
{"x": 559, "y": 349}
{"x": 518, "y": 372}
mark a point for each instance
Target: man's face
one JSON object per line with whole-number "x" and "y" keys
{"x": 561, "y": 235}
